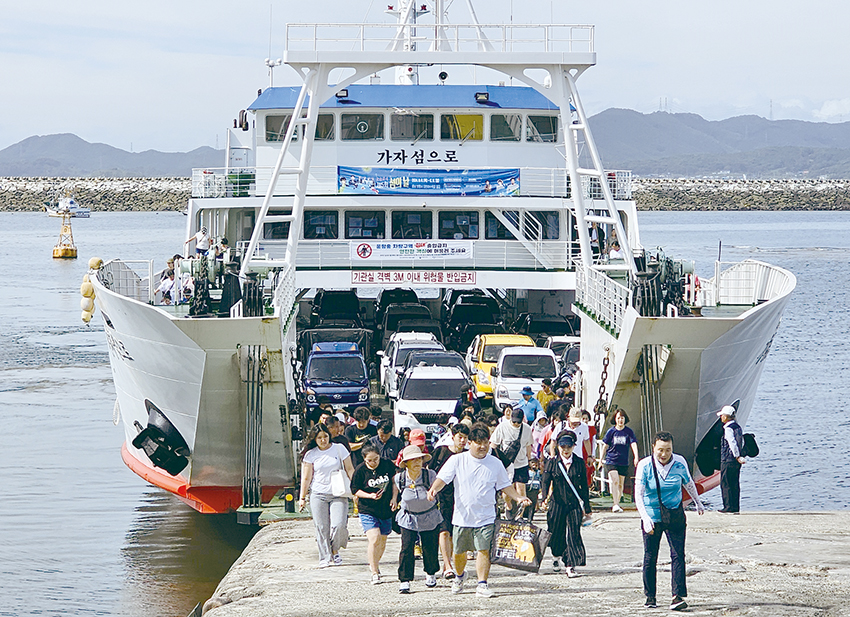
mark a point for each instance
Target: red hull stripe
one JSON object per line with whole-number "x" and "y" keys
{"x": 204, "y": 499}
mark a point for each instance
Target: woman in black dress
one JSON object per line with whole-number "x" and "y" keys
{"x": 565, "y": 487}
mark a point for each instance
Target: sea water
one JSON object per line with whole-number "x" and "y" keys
{"x": 82, "y": 535}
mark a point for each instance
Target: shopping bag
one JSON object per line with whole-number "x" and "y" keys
{"x": 340, "y": 484}
{"x": 518, "y": 544}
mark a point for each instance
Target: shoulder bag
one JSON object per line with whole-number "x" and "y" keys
{"x": 340, "y": 482}
{"x": 673, "y": 519}
{"x": 509, "y": 454}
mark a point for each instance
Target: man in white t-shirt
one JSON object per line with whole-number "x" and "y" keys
{"x": 477, "y": 476}
{"x": 503, "y": 438}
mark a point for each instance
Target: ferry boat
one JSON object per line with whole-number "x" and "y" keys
{"x": 349, "y": 183}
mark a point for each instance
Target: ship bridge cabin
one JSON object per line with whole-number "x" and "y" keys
{"x": 426, "y": 185}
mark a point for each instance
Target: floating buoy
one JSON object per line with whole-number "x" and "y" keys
{"x": 65, "y": 248}
{"x": 87, "y": 292}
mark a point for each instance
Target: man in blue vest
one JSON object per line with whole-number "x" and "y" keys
{"x": 731, "y": 460}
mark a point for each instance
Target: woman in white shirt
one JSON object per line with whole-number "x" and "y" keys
{"x": 320, "y": 459}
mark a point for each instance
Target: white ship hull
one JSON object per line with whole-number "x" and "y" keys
{"x": 189, "y": 368}
{"x": 704, "y": 362}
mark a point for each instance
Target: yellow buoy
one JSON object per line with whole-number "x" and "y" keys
{"x": 87, "y": 289}
{"x": 87, "y": 304}
{"x": 95, "y": 263}
{"x": 65, "y": 248}
{"x": 85, "y": 316}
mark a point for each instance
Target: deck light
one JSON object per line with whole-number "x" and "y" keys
{"x": 342, "y": 94}
{"x": 482, "y": 97}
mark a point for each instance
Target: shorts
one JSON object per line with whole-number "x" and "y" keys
{"x": 623, "y": 470}
{"x": 472, "y": 538}
{"x": 521, "y": 474}
{"x": 447, "y": 509}
{"x": 384, "y": 525}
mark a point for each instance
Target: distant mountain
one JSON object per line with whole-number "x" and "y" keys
{"x": 67, "y": 155}
{"x": 688, "y": 145}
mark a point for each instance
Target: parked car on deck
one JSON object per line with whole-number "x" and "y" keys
{"x": 518, "y": 367}
{"x": 336, "y": 305}
{"x": 395, "y": 313}
{"x": 392, "y": 296}
{"x": 483, "y": 353}
{"x": 338, "y": 372}
{"x": 397, "y": 349}
{"x": 430, "y": 326}
{"x": 427, "y": 397}
{"x": 468, "y": 333}
{"x": 451, "y": 296}
{"x": 463, "y": 314}
{"x": 540, "y": 327}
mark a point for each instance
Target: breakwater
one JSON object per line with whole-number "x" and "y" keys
{"x": 151, "y": 194}
{"x": 99, "y": 194}
{"x": 738, "y": 194}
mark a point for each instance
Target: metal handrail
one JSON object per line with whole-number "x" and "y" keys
{"x": 464, "y": 37}
{"x": 603, "y": 298}
{"x": 118, "y": 276}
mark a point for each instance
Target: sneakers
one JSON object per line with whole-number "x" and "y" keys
{"x": 457, "y": 583}
{"x": 678, "y": 604}
{"x": 616, "y": 508}
{"x": 337, "y": 560}
{"x": 430, "y": 580}
{"x": 571, "y": 572}
{"x": 556, "y": 565}
{"x": 323, "y": 564}
{"x": 376, "y": 579}
{"x": 404, "y": 587}
{"x": 650, "y": 603}
{"x": 449, "y": 574}
{"x": 484, "y": 590}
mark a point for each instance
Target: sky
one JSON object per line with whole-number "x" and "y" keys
{"x": 171, "y": 76}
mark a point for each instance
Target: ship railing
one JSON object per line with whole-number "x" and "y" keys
{"x": 486, "y": 254}
{"x": 745, "y": 283}
{"x": 447, "y": 37}
{"x": 129, "y": 278}
{"x": 284, "y": 298}
{"x": 602, "y": 298}
{"x": 254, "y": 182}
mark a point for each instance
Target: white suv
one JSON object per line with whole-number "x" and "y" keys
{"x": 519, "y": 367}
{"x": 427, "y": 396}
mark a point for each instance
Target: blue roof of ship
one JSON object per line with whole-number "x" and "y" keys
{"x": 508, "y": 97}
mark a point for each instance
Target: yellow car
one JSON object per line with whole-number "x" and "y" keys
{"x": 483, "y": 353}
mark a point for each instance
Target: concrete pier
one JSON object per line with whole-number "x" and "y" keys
{"x": 770, "y": 564}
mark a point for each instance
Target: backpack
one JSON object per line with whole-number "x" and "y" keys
{"x": 750, "y": 449}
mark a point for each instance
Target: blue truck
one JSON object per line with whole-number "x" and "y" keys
{"x": 336, "y": 371}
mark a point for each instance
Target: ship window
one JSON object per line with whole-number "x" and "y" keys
{"x": 458, "y": 225}
{"x": 542, "y": 129}
{"x": 505, "y": 127}
{"x": 276, "y": 128}
{"x": 494, "y": 230}
{"x": 325, "y": 128}
{"x": 412, "y": 225}
{"x": 321, "y": 225}
{"x": 549, "y": 225}
{"x": 412, "y": 127}
{"x": 362, "y": 127}
{"x": 368, "y": 224}
{"x": 276, "y": 231}
{"x": 462, "y": 127}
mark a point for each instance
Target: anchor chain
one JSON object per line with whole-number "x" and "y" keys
{"x": 600, "y": 410}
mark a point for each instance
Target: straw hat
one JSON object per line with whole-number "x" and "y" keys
{"x": 413, "y": 452}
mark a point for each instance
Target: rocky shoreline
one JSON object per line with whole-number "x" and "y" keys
{"x": 155, "y": 194}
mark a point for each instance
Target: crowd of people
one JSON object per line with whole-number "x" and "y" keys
{"x": 443, "y": 497}
{"x": 177, "y": 287}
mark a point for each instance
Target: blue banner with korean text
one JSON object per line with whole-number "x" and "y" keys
{"x": 398, "y": 181}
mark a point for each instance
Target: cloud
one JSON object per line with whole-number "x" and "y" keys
{"x": 835, "y": 109}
